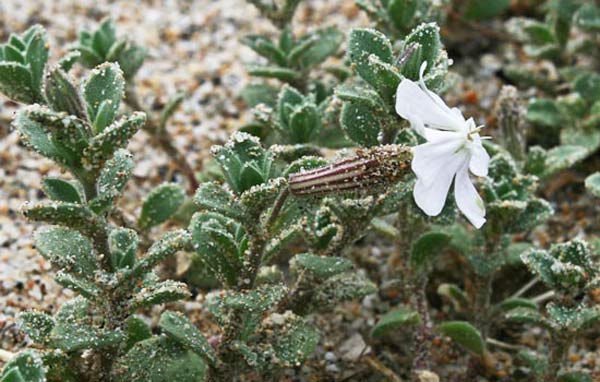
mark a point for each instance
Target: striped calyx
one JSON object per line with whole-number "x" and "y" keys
{"x": 368, "y": 170}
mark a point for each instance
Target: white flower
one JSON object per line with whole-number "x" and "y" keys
{"x": 453, "y": 148}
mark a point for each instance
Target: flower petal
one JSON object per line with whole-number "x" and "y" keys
{"x": 480, "y": 159}
{"x": 424, "y": 108}
{"x": 467, "y": 199}
{"x": 430, "y": 193}
{"x": 431, "y": 159}
{"x": 438, "y": 136}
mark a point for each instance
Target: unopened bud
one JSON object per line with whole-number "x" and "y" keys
{"x": 510, "y": 114}
{"x": 368, "y": 170}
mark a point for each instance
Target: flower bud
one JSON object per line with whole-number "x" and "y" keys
{"x": 510, "y": 115}
{"x": 368, "y": 170}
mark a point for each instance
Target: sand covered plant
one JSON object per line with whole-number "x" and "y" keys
{"x": 359, "y": 144}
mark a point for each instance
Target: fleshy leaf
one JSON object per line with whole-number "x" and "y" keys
{"x": 162, "y": 203}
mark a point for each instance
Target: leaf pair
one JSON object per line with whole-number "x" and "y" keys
{"x": 22, "y": 62}
{"x": 102, "y": 45}
{"x": 289, "y": 58}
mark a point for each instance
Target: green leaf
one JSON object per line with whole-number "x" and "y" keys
{"x": 66, "y": 249}
{"x": 482, "y": 9}
{"x": 288, "y": 99}
{"x": 79, "y": 284}
{"x": 68, "y": 60}
{"x": 281, "y": 73}
{"x": 359, "y": 95}
{"x": 36, "y": 56}
{"x": 371, "y": 53}
{"x": 116, "y": 136}
{"x": 16, "y": 82}
{"x": 61, "y": 190}
{"x": 264, "y": 47}
{"x": 517, "y": 302}
{"x": 104, "y": 37}
{"x": 526, "y": 315}
{"x": 26, "y": 366}
{"x": 160, "y": 293}
{"x": 16, "y": 42}
{"x": 67, "y": 133}
{"x": 115, "y": 50}
{"x": 341, "y": 288}
{"x": 162, "y": 203}
{"x": 220, "y": 244}
{"x": 183, "y": 331}
{"x": 427, "y": 36}
{"x": 212, "y": 197}
{"x": 402, "y": 13}
{"x": 588, "y": 17}
{"x": 539, "y": 33}
{"x": 465, "y": 334}
{"x": 572, "y": 319}
{"x": 294, "y": 341}
{"x": 326, "y": 43}
{"x": 131, "y": 60}
{"x": 361, "y": 123}
{"x": 363, "y": 43}
{"x": 426, "y": 247}
{"x": 244, "y": 162}
{"x": 73, "y": 310}
{"x": 592, "y": 183}
{"x": 88, "y": 57}
{"x": 304, "y": 124}
{"x": 137, "y": 331}
{"x": 588, "y": 85}
{"x": 575, "y": 377}
{"x": 586, "y": 138}
{"x": 123, "y": 244}
{"x": 249, "y": 305}
{"x": 320, "y": 266}
{"x": 36, "y": 325}
{"x": 544, "y": 112}
{"x": 170, "y": 108}
{"x": 168, "y": 245}
{"x": 112, "y": 180}
{"x": 103, "y": 90}
{"x": 255, "y": 94}
{"x": 62, "y": 95}
{"x": 286, "y": 39}
{"x": 73, "y": 336}
{"x": 11, "y": 375}
{"x": 13, "y": 54}
{"x": 394, "y": 320}
{"x": 160, "y": 359}
{"x": 562, "y": 157}
{"x": 69, "y": 215}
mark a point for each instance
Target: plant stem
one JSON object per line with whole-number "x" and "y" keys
{"x": 162, "y": 138}
{"x": 409, "y": 229}
{"x": 559, "y": 347}
{"x": 423, "y": 335}
{"x": 482, "y": 303}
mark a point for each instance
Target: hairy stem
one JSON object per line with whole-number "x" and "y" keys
{"x": 559, "y": 347}
{"x": 482, "y": 304}
{"x": 409, "y": 230}
{"x": 423, "y": 334}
